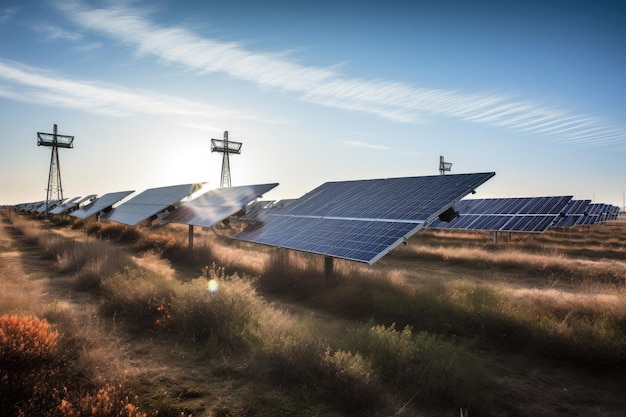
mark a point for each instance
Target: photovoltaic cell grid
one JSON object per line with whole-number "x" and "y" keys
{"x": 103, "y": 203}
{"x": 614, "y": 213}
{"x": 597, "y": 213}
{"x": 149, "y": 203}
{"x": 216, "y": 205}
{"x": 574, "y": 212}
{"x": 361, "y": 220}
{"x": 522, "y": 214}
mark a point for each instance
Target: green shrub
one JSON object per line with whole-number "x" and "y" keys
{"x": 111, "y": 231}
{"x": 137, "y": 295}
{"x": 434, "y": 370}
{"x": 230, "y": 315}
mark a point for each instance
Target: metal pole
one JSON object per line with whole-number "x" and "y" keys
{"x": 328, "y": 268}
{"x": 225, "y": 180}
{"x": 190, "y": 236}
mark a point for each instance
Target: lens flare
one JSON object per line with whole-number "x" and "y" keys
{"x": 212, "y": 285}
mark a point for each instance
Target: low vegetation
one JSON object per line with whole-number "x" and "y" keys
{"x": 425, "y": 333}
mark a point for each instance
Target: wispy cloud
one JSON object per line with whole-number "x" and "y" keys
{"x": 327, "y": 86}
{"x": 53, "y": 32}
{"x": 88, "y": 47}
{"x": 33, "y": 85}
{"x": 6, "y": 15}
{"x": 366, "y": 145}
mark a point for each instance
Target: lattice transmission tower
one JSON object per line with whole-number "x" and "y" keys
{"x": 225, "y": 147}
{"x": 444, "y": 166}
{"x": 54, "y": 192}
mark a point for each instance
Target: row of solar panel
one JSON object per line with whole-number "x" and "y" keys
{"x": 527, "y": 214}
{"x": 165, "y": 203}
{"x": 356, "y": 220}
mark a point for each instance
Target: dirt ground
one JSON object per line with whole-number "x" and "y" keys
{"x": 540, "y": 388}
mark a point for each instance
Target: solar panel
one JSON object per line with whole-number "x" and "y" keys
{"x": 216, "y": 205}
{"x": 28, "y": 207}
{"x": 149, "y": 203}
{"x": 47, "y": 206}
{"x": 258, "y": 210}
{"x": 522, "y": 214}
{"x": 573, "y": 212}
{"x": 101, "y": 204}
{"x": 361, "y": 220}
{"x": 88, "y": 198}
{"x": 65, "y": 206}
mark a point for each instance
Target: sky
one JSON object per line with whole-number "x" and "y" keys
{"x": 316, "y": 91}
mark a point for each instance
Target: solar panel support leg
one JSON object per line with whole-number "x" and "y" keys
{"x": 191, "y": 237}
{"x": 328, "y": 268}
{"x": 495, "y": 238}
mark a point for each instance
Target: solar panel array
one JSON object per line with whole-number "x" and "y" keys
{"x": 216, "y": 205}
{"x": 101, "y": 204}
{"x": 523, "y": 214}
{"x": 149, "y": 203}
{"x": 361, "y": 220}
{"x": 598, "y": 213}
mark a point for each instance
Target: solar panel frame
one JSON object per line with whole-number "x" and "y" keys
{"x": 100, "y": 204}
{"x": 149, "y": 203}
{"x": 361, "y": 220}
{"x": 216, "y": 205}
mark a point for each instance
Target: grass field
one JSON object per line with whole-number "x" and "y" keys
{"x": 128, "y": 321}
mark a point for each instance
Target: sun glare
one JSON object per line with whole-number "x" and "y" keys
{"x": 213, "y": 285}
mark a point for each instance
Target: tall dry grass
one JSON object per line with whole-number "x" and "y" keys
{"x": 431, "y": 361}
{"x": 585, "y": 323}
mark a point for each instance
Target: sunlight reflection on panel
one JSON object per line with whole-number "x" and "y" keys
{"x": 216, "y": 205}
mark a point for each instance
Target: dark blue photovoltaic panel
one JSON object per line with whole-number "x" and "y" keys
{"x": 348, "y": 239}
{"x": 523, "y": 214}
{"x": 361, "y": 220}
{"x": 149, "y": 203}
{"x": 392, "y": 198}
{"x": 594, "y": 214}
{"x": 574, "y": 212}
{"x": 597, "y": 213}
{"x": 216, "y": 205}
{"x": 103, "y": 203}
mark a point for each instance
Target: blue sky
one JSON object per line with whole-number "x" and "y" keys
{"x": 321, "y": 91}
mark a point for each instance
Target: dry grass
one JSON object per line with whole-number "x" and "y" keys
{"x": 61, "y": 364}
{"x": 459, "y": 304}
